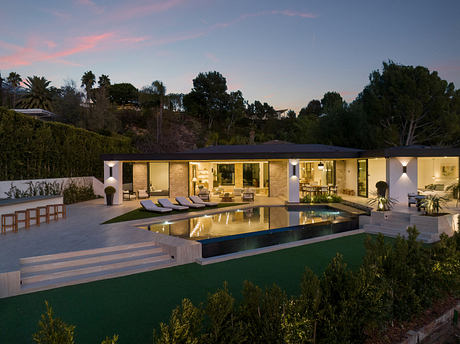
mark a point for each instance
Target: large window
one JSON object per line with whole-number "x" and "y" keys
{"x": 158, "y": 178}
{"x": 251, "y": 175}
{"x": 226, "y": 174}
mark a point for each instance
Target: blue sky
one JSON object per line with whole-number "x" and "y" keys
{"x": 283, "y": 52}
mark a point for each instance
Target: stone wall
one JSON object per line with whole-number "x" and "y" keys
{"x": 178, "y": 179}
{"x": 278, "y": 179}
{"x": 238, "y": 175}
{"x": 139, "y": 176}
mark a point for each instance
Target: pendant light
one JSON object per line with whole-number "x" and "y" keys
{"x": 320, "y": 166}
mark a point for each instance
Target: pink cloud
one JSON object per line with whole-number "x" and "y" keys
{"x": 28, "y": 54}
{"x": 212, "y": 57}
{"x": 136, "y": 10}
{"x": 91, "y": 4}
{"x": 290, "y": 13}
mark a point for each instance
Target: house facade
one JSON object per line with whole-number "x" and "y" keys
{"x": 286, "y": 171}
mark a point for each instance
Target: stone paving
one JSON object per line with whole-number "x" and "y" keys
{"x": 82, "y": 230}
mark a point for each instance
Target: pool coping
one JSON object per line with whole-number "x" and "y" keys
{"x": 256, "y": 251}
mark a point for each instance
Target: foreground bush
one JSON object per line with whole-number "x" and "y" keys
{"x": 396, "y": 281}
{"x": 52, "y": 330}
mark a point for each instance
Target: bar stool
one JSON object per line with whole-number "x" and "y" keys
{"x": 45, "y": 215}
{"x": 51, "y": 210}
{"x": 25, "y": 219}
{"x": 60, "y": 209}
{"x": 13, "y": 225}
{"x": 33, "y": 215}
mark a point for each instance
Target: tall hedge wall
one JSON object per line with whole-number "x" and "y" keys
{"x": 31, "y": 148}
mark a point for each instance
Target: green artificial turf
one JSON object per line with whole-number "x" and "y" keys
{"x": 141, "y": 213}
{"x": 133, "y": 306}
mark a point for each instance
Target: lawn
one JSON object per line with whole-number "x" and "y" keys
{"x": 141, "y": 213}
{"x": 133, "y": 306}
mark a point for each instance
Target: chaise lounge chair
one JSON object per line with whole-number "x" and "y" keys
{"x": 186, "y": 203}
{"x": 150, "y": 206}
{"x": 198, "y": 200}
{"x": 164, "y": 202}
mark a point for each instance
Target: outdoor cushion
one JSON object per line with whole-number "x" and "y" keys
{"x": 198, "y": 200}
{"x": 185, "y": 202}
{"x": 150, "y": 206}
{"x": 164, "y": 202}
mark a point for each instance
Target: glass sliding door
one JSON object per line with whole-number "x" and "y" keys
{"x": 251, "y": 175}
{"x": 362, "y": 178}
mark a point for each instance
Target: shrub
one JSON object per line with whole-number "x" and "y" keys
{"x": 78, "y": 192}
{"x": 184, "y": 326}
{"x": 53, "y": 330}
{"x": 32, "y": 148}
{"x": 332, "y": 198}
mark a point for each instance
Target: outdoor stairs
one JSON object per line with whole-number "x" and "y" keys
{"x": 394, "y": 224}
{"x": 56, "y": 270}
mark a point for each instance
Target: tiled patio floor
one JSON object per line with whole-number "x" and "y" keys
{"x": 81, "y": 230}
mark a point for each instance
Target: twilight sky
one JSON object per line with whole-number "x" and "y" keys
{"x": 283, "y": 52}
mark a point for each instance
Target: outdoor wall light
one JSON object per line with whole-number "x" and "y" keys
{"x": 111, "y": 171}
{"x": 294, "y": 170}
{"x": 404, "y": 169}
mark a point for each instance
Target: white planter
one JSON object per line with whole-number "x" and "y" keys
{"x": 434, "y": 224}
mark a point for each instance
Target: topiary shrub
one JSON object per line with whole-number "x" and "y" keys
{"x": 382, "y": 188}
{"x": 110, "y": 190}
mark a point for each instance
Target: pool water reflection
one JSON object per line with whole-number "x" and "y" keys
{"x": 246, "y": 221}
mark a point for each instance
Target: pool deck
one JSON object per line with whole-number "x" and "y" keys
{"x": 83, "y": 230}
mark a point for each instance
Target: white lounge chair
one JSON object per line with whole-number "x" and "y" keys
{"x": 164, "y": 202}
{"x": 150, "y": 206}
{"x": 186, "y": 203}
{"x": 198, "y": 200}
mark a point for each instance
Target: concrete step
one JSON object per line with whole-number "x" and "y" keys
{"x": 391, "y": 223}
{"x": 47, "y": 276}
{"x": 90, "y": 259}
{"x": 91, "y": 277}
{"x": 394, "y": 232}
{"x": 75, "y": 254}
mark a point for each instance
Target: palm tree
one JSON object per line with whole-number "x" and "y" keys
{"x": 159, "y": 89}
{"x": 87, "y": 81}
{"x": 14, "y": 79}
{"x": 37, "y": 94}
{"x": 104, "y": 81}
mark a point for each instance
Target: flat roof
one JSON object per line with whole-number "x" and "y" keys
{"x": 36, "y": 112}
{"x": 412, "y": 151}
{"x": 275, "y": 151}
{"x": 259, "y": 151}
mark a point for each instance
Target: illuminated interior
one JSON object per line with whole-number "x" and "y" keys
{"x": 436, "y": 174}
{"x": 233, "y": 177}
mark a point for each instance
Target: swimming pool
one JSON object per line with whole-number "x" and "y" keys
{"x": 237, "y": 230}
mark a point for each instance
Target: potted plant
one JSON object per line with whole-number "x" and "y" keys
{"x": 434, "y": 222}
{"x": 109, "y": 192}
{"x": 381, "y": 200}
{"x": 382, "y": 188}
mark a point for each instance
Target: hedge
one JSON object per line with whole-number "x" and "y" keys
{"x": 32, "y": 149}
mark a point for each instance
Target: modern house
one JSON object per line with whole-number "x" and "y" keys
{"x": 287, "y": 171}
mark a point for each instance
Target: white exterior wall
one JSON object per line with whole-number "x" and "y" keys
{"x": 351, "y": 177}
{"x": 5, "y": 186}
{"x": 401, "y": 184}
{"x": 116, "y": 180}
{"x": 293, "y": 180}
